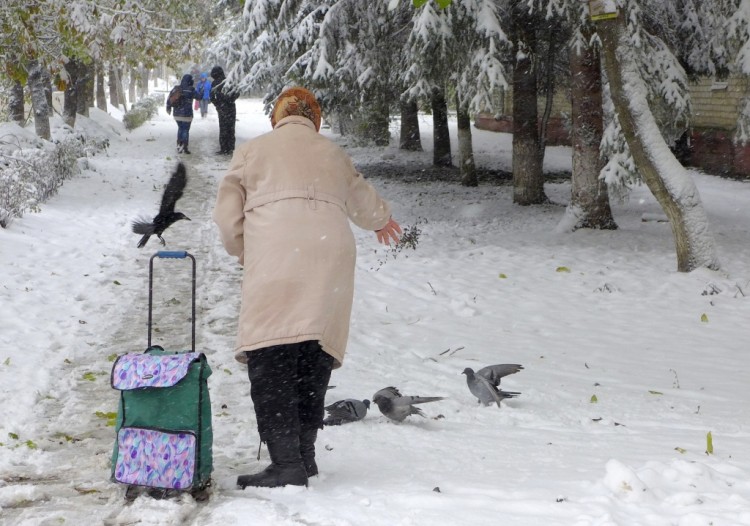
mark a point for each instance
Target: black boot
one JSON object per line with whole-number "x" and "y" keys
{"x": 307, "y": 450}
{"x": 286, "y": 466}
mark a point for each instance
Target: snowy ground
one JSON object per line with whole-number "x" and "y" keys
{"x": 589, "y": 314}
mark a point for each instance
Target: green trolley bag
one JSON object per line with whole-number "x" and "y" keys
{"x": 163, "y": 428}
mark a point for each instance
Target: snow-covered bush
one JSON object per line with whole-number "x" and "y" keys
{"x": 142, "y": 111}
{"x": 29, "y": 176}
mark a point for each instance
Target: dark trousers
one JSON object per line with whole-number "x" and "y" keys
{"x": 183, "y": 132}
{"x": 227, "y": 118}
{"x": 288, "y": 384}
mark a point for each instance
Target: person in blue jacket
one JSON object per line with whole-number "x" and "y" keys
{"x": 181, "y": 100}
{"x": 204, "y": 89}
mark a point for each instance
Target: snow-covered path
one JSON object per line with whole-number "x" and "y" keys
{"x": 591, "y": 314}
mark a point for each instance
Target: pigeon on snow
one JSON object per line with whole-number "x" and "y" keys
{"x": 483, "y": 383}
{"x": 397, "y": 407}
{"x": 345, "y": 411}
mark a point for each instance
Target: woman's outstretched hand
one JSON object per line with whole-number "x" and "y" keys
{"x": 390, "y": 231}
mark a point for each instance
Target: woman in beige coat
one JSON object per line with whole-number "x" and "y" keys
{"x": 283, "y": 208}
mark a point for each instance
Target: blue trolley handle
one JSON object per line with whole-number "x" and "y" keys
{"x": 168, "y": 254}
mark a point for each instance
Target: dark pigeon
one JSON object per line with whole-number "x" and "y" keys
{"x": 483, "y": 383}
{"x": 397, "y": 407}
{"x": 345, "y": 411}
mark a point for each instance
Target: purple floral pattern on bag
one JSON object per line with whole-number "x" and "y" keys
{"x": 147, "y": 457}
{"x": 133, "y": 371}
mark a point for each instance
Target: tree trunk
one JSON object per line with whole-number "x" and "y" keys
{"x": 528, "y": 176}
{"x": 372, "y": 121}
{"x": 85, "y": 89}
{"x": 589, "y": 203}
{"x": 120, "y": 91}
{"x": 409, "y": 137}
{"x": 441, "y": 153}
{"x": 466, "y": 164}
{"x": 38, "y": 85}
{"x": 114, "y": 98}
{"x": 144, "y": 80}
{"x": 70, "y": 103}
{"x": 48, "y": 89}
{"x": 101, "y": 98}
{"x": 670, "y": 183}
{"x": 549, "y": 91}
{"x": 132, "y": 85}
{"x": 16, "y": 110}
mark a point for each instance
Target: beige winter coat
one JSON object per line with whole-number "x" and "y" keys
{"x": 283, "y": 208}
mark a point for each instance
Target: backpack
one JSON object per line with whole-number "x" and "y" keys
{"x": 175, "y": 95}
{"x": 163, "y": 427}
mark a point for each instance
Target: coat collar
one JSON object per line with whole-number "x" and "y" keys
{"x": 296, "y": 119}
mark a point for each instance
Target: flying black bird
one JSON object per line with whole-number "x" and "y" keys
{"x": 166, "y": 215}
{"x": 484, "y": 383}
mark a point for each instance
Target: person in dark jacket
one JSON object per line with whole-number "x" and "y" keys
{"x": 224, "y": 101}
{"x": 183, "y": 111}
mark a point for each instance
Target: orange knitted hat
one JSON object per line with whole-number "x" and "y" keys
{"x": 296, "y": 101}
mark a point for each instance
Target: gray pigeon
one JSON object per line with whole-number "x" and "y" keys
{"x": 483, "y": 384}
{"x": 397, "y": 407}
{"x": 345, "y": 411}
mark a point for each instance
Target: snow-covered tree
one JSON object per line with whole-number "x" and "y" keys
{"x": 589, "y": 200}
{"x": 357, "y": 64}
{"x": 674, "y": 189}
{"x": 65, "y": 37}
{"x": 460, "y": 48}
{"x": 264, "y": 46}
{"x": 738, "y": 36}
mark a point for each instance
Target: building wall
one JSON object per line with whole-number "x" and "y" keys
{"x": 716, "y": 103}
{"x": 710, "y": 147}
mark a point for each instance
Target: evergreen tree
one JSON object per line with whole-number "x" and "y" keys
{"x": 460, "y": 49}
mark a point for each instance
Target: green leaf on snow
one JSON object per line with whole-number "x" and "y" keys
{"x": 110, "y": 417}
{"x": 594, "y": 399}
{"x": 709, "y": 444}
{"x": 562, "y": 269}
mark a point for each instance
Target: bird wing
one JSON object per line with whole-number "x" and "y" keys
{"x": 173, "y": 190}
{"x": 387, "y": 392}
{"x": 346, "y": 410}
{"x": 494, "y": 373}
{"x": 489, "y": 388}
